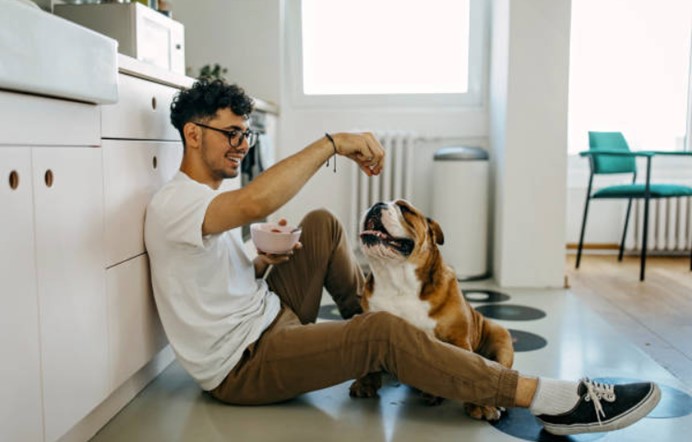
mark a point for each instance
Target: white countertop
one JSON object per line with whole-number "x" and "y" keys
{"x": 131, "y": 66}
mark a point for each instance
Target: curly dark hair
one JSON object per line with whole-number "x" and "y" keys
{"x": 205, "y": 98}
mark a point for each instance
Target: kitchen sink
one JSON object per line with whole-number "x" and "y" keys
{"x": 43, "y": 54}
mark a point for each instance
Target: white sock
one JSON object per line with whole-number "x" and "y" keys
{"x": 554, "y": 396}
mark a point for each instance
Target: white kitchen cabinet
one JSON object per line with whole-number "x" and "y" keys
{"x": 20, "y": 365}
{"x": 53, "y": 304}
{"x": 79, "y": 332}
{"x": 70, "y": 266}
{"x": 133, "y": 171}
{"x": 141, "y": 152}
{"x": 135, "y": 331}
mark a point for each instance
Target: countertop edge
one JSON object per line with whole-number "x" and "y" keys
{"x": 135, "y": 68}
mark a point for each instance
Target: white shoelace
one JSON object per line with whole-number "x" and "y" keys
{"x": 595, "y": 391}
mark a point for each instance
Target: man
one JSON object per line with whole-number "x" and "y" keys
{"x": 251, "y": 341}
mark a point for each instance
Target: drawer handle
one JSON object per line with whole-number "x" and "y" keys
{"x": 153, "y": 103}
{"x": 48, "y": 178}
{"x": 14, "y": 180}
{"x": 155, "y": 162}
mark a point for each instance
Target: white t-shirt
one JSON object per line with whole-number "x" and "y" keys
{"x": 210, "y": 303}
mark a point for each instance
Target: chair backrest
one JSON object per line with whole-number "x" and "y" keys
{"x": 608, "y": 163}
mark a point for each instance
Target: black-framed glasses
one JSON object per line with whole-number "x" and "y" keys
{"x": 235, "y": 136}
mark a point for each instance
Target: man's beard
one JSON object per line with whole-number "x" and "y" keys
{"x": 219, "y": 173}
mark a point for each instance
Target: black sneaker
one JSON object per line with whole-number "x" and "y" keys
{"x": 604, "y": 407}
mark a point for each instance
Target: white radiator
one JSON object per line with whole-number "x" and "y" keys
{"x": 670, "y": 226}
{"x": 395, "y": 181}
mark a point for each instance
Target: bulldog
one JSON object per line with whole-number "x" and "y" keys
{"x": 410, "y": 279}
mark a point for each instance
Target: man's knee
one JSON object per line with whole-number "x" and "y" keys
{"x": 386, "y": 326}
{"x": 319, "y": 216}
{"x": 321, "y": 220}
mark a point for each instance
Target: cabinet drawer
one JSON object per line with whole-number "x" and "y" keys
{"x": 32, "y": 120}
{"x": 135, "y": 333}
{"x": 133, "y": 172}
{"x": 142, "y": 111}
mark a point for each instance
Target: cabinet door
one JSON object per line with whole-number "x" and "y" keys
{"x": 134, "y": 171}
{"x": 20, "y": 376}
{"x": 135, "y": 332}
{"x": 68, "y": 206}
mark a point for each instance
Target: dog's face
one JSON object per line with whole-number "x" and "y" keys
{"x": 397, "y": 231}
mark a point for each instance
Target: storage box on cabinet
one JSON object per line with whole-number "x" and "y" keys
{"x": 133, "y": 172}
{"x": 135, "y": 332}
{"x": 20, "y": 369}
{"x": 141, "y": 113}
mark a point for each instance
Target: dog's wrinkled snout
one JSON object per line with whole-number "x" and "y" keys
{"x": 376, "y": 210}
{"x": 373, "y": 216}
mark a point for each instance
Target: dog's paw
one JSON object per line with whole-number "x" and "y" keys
{"x": 431, "y": 400}
{"x": 366, "y": 387}
{"x": 483, "y": 412}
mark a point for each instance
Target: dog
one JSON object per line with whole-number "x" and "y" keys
{"x": 410, "y": 279}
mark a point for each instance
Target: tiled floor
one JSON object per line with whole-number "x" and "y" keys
{"x": 577, "y": 343}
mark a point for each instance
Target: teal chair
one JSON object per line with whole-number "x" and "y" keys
{"x": 609, "y": 154}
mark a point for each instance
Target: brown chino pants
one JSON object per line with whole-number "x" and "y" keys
{"x": 295, "y": 355}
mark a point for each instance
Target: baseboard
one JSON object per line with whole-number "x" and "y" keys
{"x": 594, "y": 246}
{"x": 613, "y": 249}
{"x": 104, "y": 412}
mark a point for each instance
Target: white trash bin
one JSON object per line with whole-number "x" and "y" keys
{"x": 460, "y": 205}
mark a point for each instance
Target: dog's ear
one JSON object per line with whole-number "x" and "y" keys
{"x": 436, "y": 231}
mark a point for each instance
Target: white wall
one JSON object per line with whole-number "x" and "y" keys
{"x": 301, "y": 126}
{"x": 241, "y": 35}
{"x": 528, "y": 123}
{"x": 528, "y": 119}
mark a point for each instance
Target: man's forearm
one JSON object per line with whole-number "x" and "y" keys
{"x": 260, "y": 267}
{"x": 278, "y": 184}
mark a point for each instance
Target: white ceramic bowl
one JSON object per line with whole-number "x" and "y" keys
{"x": 273, "y": 238}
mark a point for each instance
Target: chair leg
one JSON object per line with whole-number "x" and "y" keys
{"x": 583, "y": 229}
{"x": 624, "y": 232}
{"x": 645, "y": 235}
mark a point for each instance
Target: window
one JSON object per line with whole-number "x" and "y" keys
{"x": 630, "y": 72}
{"x": 370, "y": 49}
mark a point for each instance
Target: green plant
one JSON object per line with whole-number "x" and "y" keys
{"x": 215, "y": 71}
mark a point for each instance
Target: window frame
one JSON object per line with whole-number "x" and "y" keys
{"x": 477, "y": 80}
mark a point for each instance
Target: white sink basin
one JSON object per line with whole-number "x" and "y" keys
{"x": 43, "y": 54}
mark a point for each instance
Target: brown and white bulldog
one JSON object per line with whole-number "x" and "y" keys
{"x": 409, "y": 279}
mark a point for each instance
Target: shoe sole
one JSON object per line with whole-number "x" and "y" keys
{"x": 622, "y": 421}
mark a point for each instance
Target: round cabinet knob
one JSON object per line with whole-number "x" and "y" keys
{"x": 14, "y": 180}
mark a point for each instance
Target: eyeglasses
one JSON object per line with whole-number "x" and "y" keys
{"x": 235, "y": 136}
